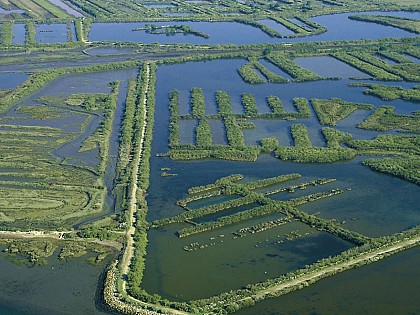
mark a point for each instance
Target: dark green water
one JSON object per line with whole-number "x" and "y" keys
{"x": 61, "y": 287}
{"x": 387, "y": 287}
{"x": 227, "y": 262}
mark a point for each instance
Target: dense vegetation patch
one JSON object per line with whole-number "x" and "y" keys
{"x": 390, "y": 93}
{"x": 385, "y": 118}
{"x": 329, "y": 112}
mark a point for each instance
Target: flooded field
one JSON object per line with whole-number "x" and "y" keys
{"x": 227, "y": 263}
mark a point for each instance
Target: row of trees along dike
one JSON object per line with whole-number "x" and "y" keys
{"x": 406, "y": 169}
{"x": 6, "y": 33}
{"x": 204, "y": 147}
{"x": 202, "y": 132}
{"x": 392, "y": 69}
{"x": 225, "y": 185}
{"x": 249, "y": 104}
{"x": 390, "y": 144}
{"x": 128, "y": 145}
{"x": 278, "y": 112}
{"x": 407, "y": 24}
{"x": 384, "y": 118}
{"x": 173, "y": 118}
{"x": 302, "y": 151}
{"x": 298, "y": 73}
{"x": 234, "y": 134}
{"x": 250, "y": 108}
{"x": 103, "y": 133}
{"x": 397, "y": 57}
{"x": 145, "y": 97}
{"x": 249, "y": 73}
{"x": 297, "y": 29}
{"x": 234, "y": 300}
{"x": 378, "y": 69}
{"x": 268, "y": 206}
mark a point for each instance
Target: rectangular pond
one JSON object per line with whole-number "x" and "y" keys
{"x": 18, "y": 34}
{"x": 51, "y": 33}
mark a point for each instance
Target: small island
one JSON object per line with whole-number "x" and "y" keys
{"x": 169, "y": 30}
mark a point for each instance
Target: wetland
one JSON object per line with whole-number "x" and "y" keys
{"x": 222, "y": 171}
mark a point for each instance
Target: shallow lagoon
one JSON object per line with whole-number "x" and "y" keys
{"x": 61, "y": 287}
{"x": 366, "y": 205}
{"x": 386, "y": 287}
{"x": 339, "y": 27}
{"x": 228, "y": 263}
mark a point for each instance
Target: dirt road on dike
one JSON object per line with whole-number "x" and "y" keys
{"x": 375, "y": 255}
{"x": 129, "y": 248}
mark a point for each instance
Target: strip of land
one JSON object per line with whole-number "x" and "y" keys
{"x": 366, "y": 258}
{"x": 129, "y": 249}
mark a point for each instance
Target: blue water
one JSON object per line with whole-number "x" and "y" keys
{"x": 339, "y": 27}
{"x": 283, "y": 30}
{"x": 11, "y": 80}
{"x": 18, "y": 34}
{"x": 51, "y": 33}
